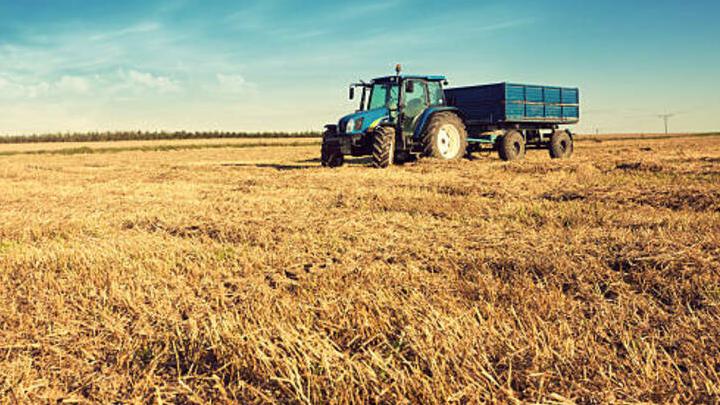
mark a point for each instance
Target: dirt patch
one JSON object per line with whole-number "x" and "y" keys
{"x": 533, "y": 168}
{"x": 676, "y": 199}
{"x": 639, "y": 167}
{"x": 565, "y": 196}
{"x": 680, "y": 199}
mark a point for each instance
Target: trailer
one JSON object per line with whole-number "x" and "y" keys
{"x": 497, "y": 115}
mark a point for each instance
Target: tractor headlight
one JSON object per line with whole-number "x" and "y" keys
{"x": 358, "y": 124}
{"x": 350, "y": 126}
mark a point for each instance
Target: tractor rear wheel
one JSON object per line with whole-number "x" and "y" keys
{"x": 511, "y": 146}
{"x": 445, "y": 137}
{"x": 561, "y": 145}
{"x": 383, "y": 147}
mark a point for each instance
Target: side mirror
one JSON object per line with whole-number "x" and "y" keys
{"x": 352, "y": 93}
{"x": 409, "y": 87}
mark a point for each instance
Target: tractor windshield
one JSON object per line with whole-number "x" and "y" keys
{"x": 383, "y": 95}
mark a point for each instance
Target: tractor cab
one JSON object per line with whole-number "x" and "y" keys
{"x": 392, "y": 99}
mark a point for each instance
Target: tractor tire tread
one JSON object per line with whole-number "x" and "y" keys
{"x": 383, "y": 147}
{"x": 328, "y": 159}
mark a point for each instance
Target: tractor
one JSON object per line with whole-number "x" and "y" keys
{"x": 402, "y": 117}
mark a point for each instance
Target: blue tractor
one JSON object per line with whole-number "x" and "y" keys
{"x": 402, "y": 117}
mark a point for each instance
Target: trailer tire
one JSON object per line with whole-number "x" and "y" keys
{"x": 511, "y": 146}
{"x": 383, "y": 147}
{"x": 561, "y": 145}
{"x": 445, "y": 137}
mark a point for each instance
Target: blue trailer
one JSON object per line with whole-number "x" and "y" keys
{"x": 516, "y": 103}
{"x": 494, "y": 111}
{"x": 402, "y": 117}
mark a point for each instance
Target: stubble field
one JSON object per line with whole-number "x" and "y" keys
{"x": 250, "y": 274}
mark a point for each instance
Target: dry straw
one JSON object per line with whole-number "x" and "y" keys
{"x": 253, "y": 275}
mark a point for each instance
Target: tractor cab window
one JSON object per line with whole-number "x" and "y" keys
{"x": 437, "y": 96}
{"x": 383, "y": 95}
{"x": 415, "y": 98}
{"x": 394, "y": 96}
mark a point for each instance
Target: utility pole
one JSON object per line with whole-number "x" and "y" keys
{"x": 666, "y": 118}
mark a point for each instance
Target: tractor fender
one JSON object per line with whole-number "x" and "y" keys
{"x": 428, "y": 113}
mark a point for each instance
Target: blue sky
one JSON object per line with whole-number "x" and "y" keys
{"x": 79, "y": 65}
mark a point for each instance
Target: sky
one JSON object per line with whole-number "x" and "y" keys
{"x": 269, "y": 65}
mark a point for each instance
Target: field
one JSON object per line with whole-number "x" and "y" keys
{"x": 157, "y": 272}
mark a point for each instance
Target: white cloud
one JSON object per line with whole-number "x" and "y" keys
{"x": 146, "y": 80}
{"x": 74, "y": 84}
{"x": 37, "y": 90}
{"x": 11, "y": 88}
{"x": 234, "y": 83}
{"x": 19, "y": 88}
{"x": 117, "y": 85}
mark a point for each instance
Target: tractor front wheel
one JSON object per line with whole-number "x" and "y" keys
{"x": 332, "y": 159}
{"x": 511, "y": 146}
{"x": 383, "y": 147}
{"x": 561, "y": 145}
{"x": 445, "y": 137}
{"x": 329, "y": 156}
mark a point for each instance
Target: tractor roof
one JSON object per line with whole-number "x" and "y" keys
{"x": 430, "y": 78}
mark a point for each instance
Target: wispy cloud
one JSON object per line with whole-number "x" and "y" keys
{"x": 519, "y": 22}
{"x": 150, "y": 81}
{"x": 266, "y": 18}
{"x": 140, "y": 28}
{"x": 122, "y": 83}
{"x": 357, "y": 10}
{"x": 233, "y": 83}
{"x": 74, "y": 84}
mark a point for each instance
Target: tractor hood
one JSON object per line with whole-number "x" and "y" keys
{"x": 361, "y": 122}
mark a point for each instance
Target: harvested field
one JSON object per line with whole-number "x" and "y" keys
{"x": 10, "y": 149}
{"x": 253, "y": 275}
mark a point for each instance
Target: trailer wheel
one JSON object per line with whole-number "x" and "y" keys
{"x": 511, "y": 146}
{"x": 561, "y": 145}
{"x": 328, "y": 156}
{"x": 383, "y": 147}
{"x": 445, "y": 137}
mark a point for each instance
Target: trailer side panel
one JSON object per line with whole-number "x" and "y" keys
{"x": 506, "y": 103}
